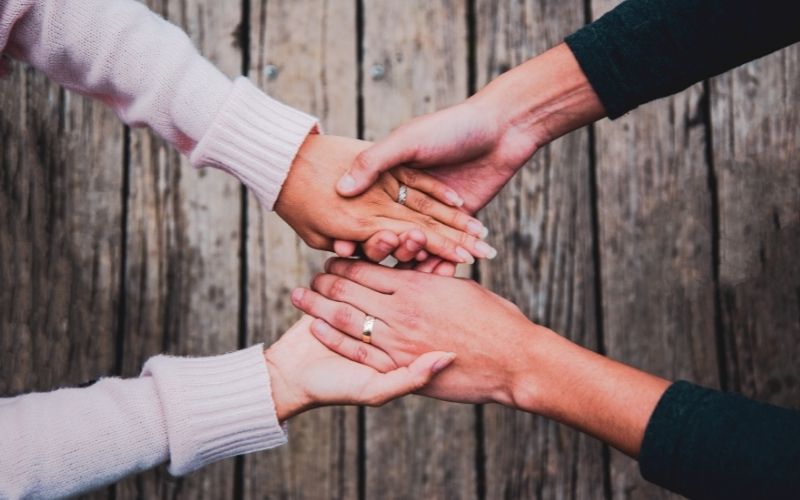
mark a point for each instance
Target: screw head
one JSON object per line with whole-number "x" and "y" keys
{"x": 271, "y": 71}
{"x": 377, "y": 71}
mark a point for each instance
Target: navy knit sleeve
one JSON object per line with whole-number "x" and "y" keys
{"x": 707, "y": 444}
{"x": 646, "y": 49}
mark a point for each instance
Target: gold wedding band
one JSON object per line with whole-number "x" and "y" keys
{"x": 402, "y": 194}
{"x": 366, "y": 330}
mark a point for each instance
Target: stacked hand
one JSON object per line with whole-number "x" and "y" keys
{"x": 502, "y": 357}
{"x": 309, "y": 203}
{"x": 305, "y": 374}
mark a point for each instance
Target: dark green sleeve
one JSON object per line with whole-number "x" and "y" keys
{"x": 646, "y": 49}
{"x": 703, "y": 443}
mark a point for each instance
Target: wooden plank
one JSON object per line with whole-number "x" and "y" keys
{"x": 541, "y": 226}
{"x": 654, "y": 210}
{"x": 757, "y": 159}
{"x": 415, "y": 61}
{"x": 60, "y": 220}
{"x": 304, "y": 53}
{"x": 182, "y": 286}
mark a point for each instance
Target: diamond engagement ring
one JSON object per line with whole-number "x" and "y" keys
{"x": 402, "y": 194}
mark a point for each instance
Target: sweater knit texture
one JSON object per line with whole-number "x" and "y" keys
{"x": 188, "y": 411}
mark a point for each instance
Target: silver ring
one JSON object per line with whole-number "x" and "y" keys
{"x": 366, "y": 330}
{"x": 402, "y": 194}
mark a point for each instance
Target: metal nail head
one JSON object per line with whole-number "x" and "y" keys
{"x": 377, "y": 71}
{"x": 271, "y": 71}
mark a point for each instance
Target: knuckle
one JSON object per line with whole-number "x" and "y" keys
{"x": 338, "y": 289}
{"x": 361, "y": 354}
{"x": 410, "y": 176}
{"x": 363, "y": 162}
{"x": 342, "y": 317}
{"x": 424, "y": 204}
{"x": 354, "y": 271}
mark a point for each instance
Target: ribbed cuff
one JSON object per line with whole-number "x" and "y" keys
{"x": 255, "y": 138}
{"x": 215, "y": 407}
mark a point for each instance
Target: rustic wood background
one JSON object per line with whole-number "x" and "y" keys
{"x": 667, "y": 239}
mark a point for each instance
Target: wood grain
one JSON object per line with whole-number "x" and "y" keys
{"x": 182, "y": 270}
{"x": 60, "y": 221}
{"x": 416, "y": 448}
{"x": 757, "y": 160}
{"x": 656, "y": 262}
{"x": 310, "y": 45}
{"x": 541, "y": 226}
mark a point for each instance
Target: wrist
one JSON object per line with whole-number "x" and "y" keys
{"x": 543, "y": 98}
{"x": 537, "y": 382}
{"x": 288, "y": 401}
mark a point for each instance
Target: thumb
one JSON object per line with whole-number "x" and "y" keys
{"x": 391, "y": 151}
{"x": 401, "y": 381}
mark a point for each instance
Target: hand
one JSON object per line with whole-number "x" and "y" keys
{"x": 305, "y": 374}
{"x": 477, "y": 146}
{"x": 502, "y": 357}
{"x": 416, "y": 311}
{"x": 309, "y": 203}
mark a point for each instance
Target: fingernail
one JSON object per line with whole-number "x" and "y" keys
{"x": 466, "y": 257}
{"x": 347, "y": 183}
{"x": 484, "y": 233}
{"x": 453, "y": 198}
{"x": 485, "y": 249}
{"x": 443, "y": 362}
{"x": 297, "y": 294}
{"x": 475, "y": 228}
{"x": 412, "y": 245}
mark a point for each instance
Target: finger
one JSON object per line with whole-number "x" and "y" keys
{"x": 380, "y": 245}
{"x": 341, "y": 289}
{"x": 428, "y": 184}
{"x": 453, "y": 217}
{"x": 428, "y": 265}
{"x": 411, "y": 243}
{"x": 395, "y": 149}
{"x": 422, "y": 255}
{"x": 437, "y": 243}
{"x": 343, "y": 317}
{"x": 350, "y": 348}
{"x": 344, "y": 248}
{"x": 375, "y": 277}
{"x": 382, "y": 388}
{"x": 476, "y": 247}
{"x": 445, "y": 268}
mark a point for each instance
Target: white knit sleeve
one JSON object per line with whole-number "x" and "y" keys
{"x": 149, "y": 72}
{"x": 190, "y": 411}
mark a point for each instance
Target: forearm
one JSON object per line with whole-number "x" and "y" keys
{"x": 587, "y": 391}
{"x": 149, "y": 72}
{"x": 190, "y": 411}
{"x": 543, "y": 98}
{"x": 646, "y": 49}
{"x": 73, "y": 440}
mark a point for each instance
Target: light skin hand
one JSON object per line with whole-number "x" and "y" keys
{"x": 310, "y": 204}
{"x": 477, "y": 146}
{"x": 502, "y": 357}
{"x": 304, "y": 374}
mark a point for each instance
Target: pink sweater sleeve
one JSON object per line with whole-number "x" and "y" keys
{"x": 190, "y": 411}
{"x": 148, "y": 71}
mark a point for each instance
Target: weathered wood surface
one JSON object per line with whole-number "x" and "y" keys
{"x": 60, "y": 235}
{"x": 655, "y": 244}
{"x": 415, "y": 61}
{"x": 112, "y": 248}
{"x": 756, "y": 154}
{"x": 183, "y": 239}
{"x": 304, "y": 53}
{"x": 541, "y": 226}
